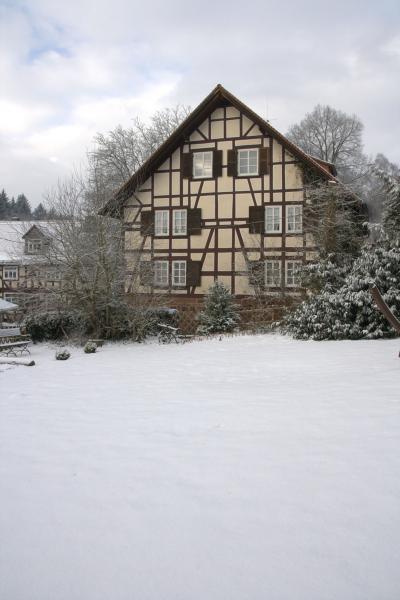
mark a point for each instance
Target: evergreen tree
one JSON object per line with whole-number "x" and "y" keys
{"x": 391, "y": 207}
{"x": 349, "y": 312}
{"x": 12, "y": 212}
{"x": 4, "y": 206}
{"x": 40, "y": 213}
{"x": 22, "y": 207}
{"x": 220, "y": 313}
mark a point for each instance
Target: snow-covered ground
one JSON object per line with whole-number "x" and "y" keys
{"x": 253, "y": 468}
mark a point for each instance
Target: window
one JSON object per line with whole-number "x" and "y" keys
{"x": 294, "y": 219}
{"x": 10, "y": 273}
{"x": 53, "y": 275}
{"x": 13, "y": 298}
{"x": 179, "y": 272}
{"x": 161, "y": 222}
{"x": 202, "y": 164}
{"x": 248, "y": 162}
{"x": 179, "y": 221}
{"x": 293, "y": 273}
{"x": 34, "y": 246}
{"x": 273, "y": 273}
{"x": 161, "y": 272}
{"x": 273, "y": 219}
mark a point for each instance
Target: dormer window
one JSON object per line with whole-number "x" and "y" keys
{"x": 34, "y": 246}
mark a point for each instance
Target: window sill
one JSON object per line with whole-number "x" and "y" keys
{"x": 242, "y": 176}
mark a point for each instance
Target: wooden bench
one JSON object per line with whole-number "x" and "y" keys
{"x": 12, "y": 342}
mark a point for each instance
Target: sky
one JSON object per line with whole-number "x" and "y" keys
{"x": 69, "y": 69}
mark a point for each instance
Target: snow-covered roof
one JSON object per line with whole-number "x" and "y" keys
{"x": 12, "y": 244}
{"x": 6, "y": 306}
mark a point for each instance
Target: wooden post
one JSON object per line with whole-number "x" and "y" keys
{"x": 385, "y": 310}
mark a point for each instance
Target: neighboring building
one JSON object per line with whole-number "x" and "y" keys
{"x": 26, "y": 272}
{"x": 222, "y": 199}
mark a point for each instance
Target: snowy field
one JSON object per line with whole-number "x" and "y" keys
{"x": 255, "y": 468}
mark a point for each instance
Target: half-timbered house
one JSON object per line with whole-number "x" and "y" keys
{"x": 221, "y": 198}
{"x": 26, "y": 272}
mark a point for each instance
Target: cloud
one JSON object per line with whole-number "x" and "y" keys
{"x": 70, "y": 69}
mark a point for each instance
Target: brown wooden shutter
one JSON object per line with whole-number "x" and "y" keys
{"x": 264, "y": 161}
{"x": 147, "y": 222}
{"x": 256, "y": 273}
{"x": 232, "y": 166}
{"x": 194, "y": 221}
{"x": 193, "y": 273}
{"x": 187, "y": 165}
{"x": 217, "y": 163}
{"x": 256, "y": 219}
{"x": 146, "y": 272}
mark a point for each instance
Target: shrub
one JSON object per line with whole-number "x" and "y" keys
{"x": 53, "y": 325}
{"x": 62, "y": 354}
{"x": 90, "y": 348}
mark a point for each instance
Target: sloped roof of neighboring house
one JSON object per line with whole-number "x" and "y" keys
{"x": 6, "y": 306}
{"x": 219, "y": 96}
{"x": 12, "y": 242}
{"x": 330, "y": 167}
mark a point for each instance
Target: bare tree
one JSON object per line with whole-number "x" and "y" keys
{"x": 88, "y": 249}
{"x": 120, "y": 152}
{"x": 333, "y": 136}
{"x": 373, "y": 188}
{"x": 335, "y": 218}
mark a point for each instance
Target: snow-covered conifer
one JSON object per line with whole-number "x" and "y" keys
{"x": 220, "y": 314}
{"x": 349, "y": 312}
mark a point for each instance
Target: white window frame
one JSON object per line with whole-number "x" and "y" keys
{"x": 275, "y": 221}
{"x": 248, "y": 173}
{"x": 35, "y": 246}
{"x": 11, "y": 297}
{"x": 10, "y": 273}
{"x": 53, "y": 275}
{"x": 295, "y": 277}
{"x": 298, "y": 222}
{"x": 276, "y": 264}
{"x": 177, "y": 264}
{"x": 182, "y": 230}
{"x": 200, "y": 171}
{"x": 161, "y": 275}
{"x": 161, "y": 223}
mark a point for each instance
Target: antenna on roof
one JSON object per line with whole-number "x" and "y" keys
{"x": 267, "y": 112}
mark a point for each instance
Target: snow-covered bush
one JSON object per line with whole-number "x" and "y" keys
{"x": 219, "y": 314}
{"x": 348, "y": 311}
{"x": 63, "y": 354}
{"x": 90, "y": 348}
{"x": 53, "y": 325}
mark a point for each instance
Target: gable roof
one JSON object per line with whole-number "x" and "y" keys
{"x": 42, "y": 229}
{"x": 218, "y": 97}
{"x": 12, "y": 234}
